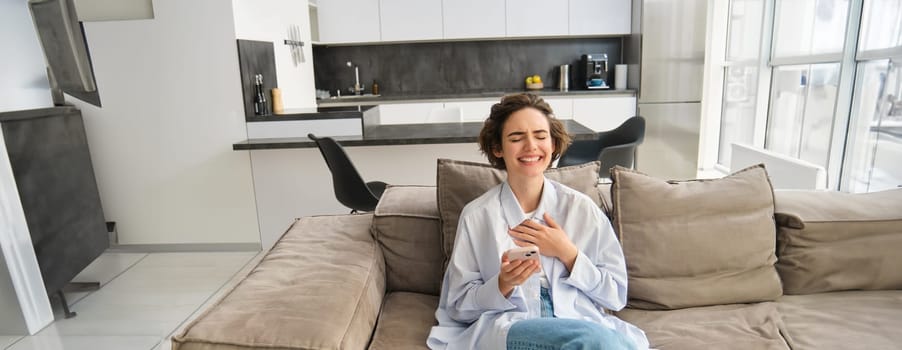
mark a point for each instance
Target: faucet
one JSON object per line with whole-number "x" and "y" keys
{"x": 358, "y": 88}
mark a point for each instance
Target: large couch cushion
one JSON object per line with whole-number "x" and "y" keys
{"x": 321, "y": 286}
{"x": 460, "y": 182}
{"x": 843, "y": 320}
{"x": 736, "y": 326}
{"x": 699, "y": 242}
{"x": 405, "y": 321}
{"x": 406, "y": 225}
{"x": 832, "y": 241}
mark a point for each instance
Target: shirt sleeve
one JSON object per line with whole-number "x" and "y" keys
{"x": 469, "y": 296}
{"x": 600, "y": 269}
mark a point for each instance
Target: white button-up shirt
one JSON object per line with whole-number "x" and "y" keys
{"x": 472, "y": 312}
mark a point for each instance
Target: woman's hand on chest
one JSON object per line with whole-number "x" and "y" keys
{"x": 550, "y": 238}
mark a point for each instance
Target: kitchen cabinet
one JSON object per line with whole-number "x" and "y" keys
{"x": 562, "y": 107}
{"x": 603, "y": 113}
{"x": 406, "y": 113}
{"x": 348, "y": 21}
{"x": 467, "y": 19}
{"x": 300, "y": 128}
{"x": 537, "y": 18}
{"x": 404, "y": 20}
{"x": 473, "y": 111}
{"x": 600, "y": 17}
{"x": 598, "y": 113}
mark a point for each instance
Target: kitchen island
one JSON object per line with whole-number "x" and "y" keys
{"x": 400, "y": 134}
{"x": 291, "y": 178}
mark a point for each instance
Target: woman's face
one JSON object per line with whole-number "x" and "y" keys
{"x": 526, "y": 144}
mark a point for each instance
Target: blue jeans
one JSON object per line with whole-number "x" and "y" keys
{"x": 550, "y": 333}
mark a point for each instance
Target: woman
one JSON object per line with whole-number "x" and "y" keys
{"x": 491, "y": 302}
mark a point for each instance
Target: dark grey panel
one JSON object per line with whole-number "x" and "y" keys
{"x": 49, "y": 156}
{"x": 256, "y": 57}
{"x": 455, "y": 67}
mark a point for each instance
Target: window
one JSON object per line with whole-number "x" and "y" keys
{"x": 740, "y": 85}
{"x": 875, "y": 147}
{"x": 807, "y": 50}
{"x": 832, "y": 70}
{"x": 801, "y": 111}
{"x": 873, "y": 159}
{"x": 810, "y": 27}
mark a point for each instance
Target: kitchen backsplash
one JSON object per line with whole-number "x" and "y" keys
{"x": 455, "y": 67}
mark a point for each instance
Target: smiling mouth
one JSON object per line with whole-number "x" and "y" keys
{"x": 530, "y": 160}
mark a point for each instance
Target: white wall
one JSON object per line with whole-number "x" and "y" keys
{"x": 288, "y": 183}
{"x": 269, "y": 21}
{"x": 24, "y": 306}
{"x": 162, "y": 142}
{"x": 23, "y": 77}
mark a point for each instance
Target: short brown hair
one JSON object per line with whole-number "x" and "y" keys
{"x": 490, "y": 136}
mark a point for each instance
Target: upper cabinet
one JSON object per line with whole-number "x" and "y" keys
{"x": 348, "y": 21}
{"x": 404, "y": 20}
{"x": 537, "y": 18}
{"x": 467, "y": 19}
{"x": 371, "y": 21}
{"x": 600, "y": 17}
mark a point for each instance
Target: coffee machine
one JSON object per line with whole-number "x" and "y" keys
{"x": 593, "y": 72}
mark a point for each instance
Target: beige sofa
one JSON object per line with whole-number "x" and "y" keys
{"x": 372, "y": 280}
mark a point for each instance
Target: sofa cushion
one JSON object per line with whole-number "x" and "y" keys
{"x": 832, "y": 241}
{"x": 405, "y": 321}
{"x": 698, "y": 242}
{"x": 604, "y": 193}
{"x": 460, "y": 182}
{"x": 843, "y": 320}
{"x": 735, "y": 326}
{"x": 406, "y": 225}
{"x": 321, "y": 286}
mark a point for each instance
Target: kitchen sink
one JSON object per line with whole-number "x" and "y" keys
{"x": 351, "y": 97}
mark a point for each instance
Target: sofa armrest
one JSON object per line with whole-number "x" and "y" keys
{"x": 320, "y": 287}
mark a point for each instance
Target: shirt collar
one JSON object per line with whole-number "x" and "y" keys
{"x": 512, "y": 211}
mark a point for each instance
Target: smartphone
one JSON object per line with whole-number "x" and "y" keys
{"x": 523, "y": 253}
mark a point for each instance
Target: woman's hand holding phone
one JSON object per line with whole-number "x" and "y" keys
{"x": 517, "y": 265}
{"x": 551, "y": 238}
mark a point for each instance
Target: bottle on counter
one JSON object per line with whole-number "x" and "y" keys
{"x": 375, "y": 87}
{"x": 259, "y": 96}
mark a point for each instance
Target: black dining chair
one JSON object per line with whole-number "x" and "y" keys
{"x": 613, "y": 147}
{"x": 350, "y": 189}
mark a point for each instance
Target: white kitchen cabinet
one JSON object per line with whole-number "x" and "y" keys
{"x": 562, "y": 107}
{"x": 406, "y": 113}
{"x": 467, "y": 19}
{"x": 348, "y": 21}
{"x": 536, "y": 18}
{"x": 404, "y": 20}
{"x": 473, "y": 111}
{"x": 603, "y": 113}
{"x": 300, "y": 128}
{"x": 600, "y": 17}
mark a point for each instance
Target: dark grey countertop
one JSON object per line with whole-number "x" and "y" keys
{"x": 368, "y": 100}
{"x": 402, "y": 134}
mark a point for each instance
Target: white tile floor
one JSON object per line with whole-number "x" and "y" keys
{"x": 143, "y": 299}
